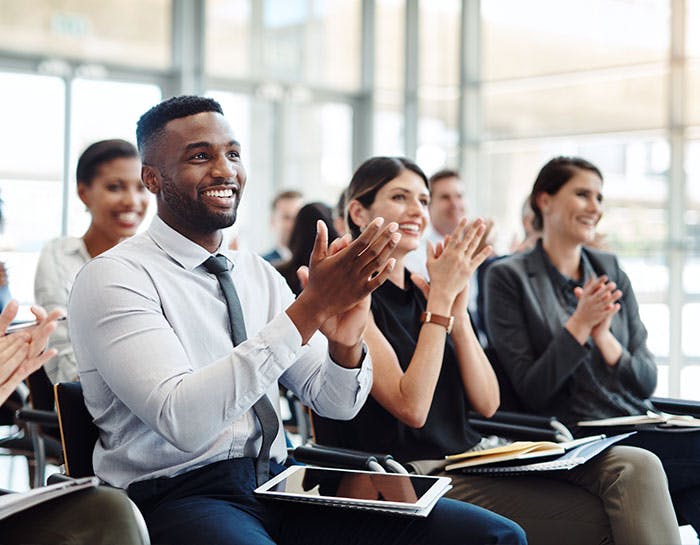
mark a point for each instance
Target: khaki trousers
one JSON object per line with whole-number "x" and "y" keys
{"x": 620, "y": 496}
{"x": 96, "y": 516}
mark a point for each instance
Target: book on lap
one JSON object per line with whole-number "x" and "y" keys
{"x": 545, "y": 456}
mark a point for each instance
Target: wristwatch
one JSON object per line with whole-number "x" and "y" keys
{"x": 431, "y": 318}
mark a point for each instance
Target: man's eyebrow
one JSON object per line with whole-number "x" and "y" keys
{"x": 205, "y": 144}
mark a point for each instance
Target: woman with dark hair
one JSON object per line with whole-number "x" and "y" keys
{"x": 429, "y": 371}
{"x": 564, "y": 323}
{"x": 109, "y": 184}
{"x": 301, "y": 241}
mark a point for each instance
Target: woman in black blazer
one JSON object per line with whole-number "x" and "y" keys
{"x": 564, "y": 324}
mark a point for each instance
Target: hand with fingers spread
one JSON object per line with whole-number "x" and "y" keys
{"x": 337, "y": 285}
{"x": 22, "y": 353}
{"x": 451, "y": 265}
{"x": 597, "y": 304}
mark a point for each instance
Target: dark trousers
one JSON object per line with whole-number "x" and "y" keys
{"x": 679, "y": 452}
{"x": 215, "y": 505}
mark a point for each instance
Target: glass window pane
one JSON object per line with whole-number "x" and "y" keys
{"x": 438, "y": 134}
{"x": 613, "y": 101}
{"x": 227, "y": 37}
{"x": 32, "y": 107}
{"x": 31, "y": 168}
{"x": 691, "y": 339}
{"x": 439, "y": 22}
{"x": 690, "y": 382}
{"x": 315, "y": 42}
{"x": 118, "y": 107}
{"x": 126, "y": 32}
{"x": 388, "y": 123}
{"x": 541, "y": 37}
{"x": 692, "y": 21}
{"x": 693, "y": 91}
{"x": 389, "y": 51}
{"x": 323, "y": 165}
{"x": 655, "y": 318}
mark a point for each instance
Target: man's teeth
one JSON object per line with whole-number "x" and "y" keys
{"x": 219, "y": 193}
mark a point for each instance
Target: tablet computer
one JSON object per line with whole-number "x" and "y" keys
{"x": 391, "y": 492}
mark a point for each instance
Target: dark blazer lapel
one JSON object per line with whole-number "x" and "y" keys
{"x": 542, "y": 289}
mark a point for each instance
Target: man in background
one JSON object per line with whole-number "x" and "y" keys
{"x": 285, "y": 207}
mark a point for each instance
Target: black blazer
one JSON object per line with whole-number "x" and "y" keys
{"x": 525, "y": 325}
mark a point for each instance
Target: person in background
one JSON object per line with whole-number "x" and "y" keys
{"x": 96, "y": 516}
{"x": 445, "y": 210}
{"x": 430, "y": 371}
{"x": 285, "y": 207}
{"x": 339, "y": 215}
{"x": 109, "y": 184}
{"x": 564, "y": 323}
{"x": 301, "y": 243}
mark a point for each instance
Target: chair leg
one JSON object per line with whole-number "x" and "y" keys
{"x": 39, "y": 456}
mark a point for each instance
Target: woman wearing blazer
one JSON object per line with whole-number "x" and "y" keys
{"x": 564, "y": 323}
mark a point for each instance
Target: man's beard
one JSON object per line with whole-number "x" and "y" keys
{"x": 195, "y": 213}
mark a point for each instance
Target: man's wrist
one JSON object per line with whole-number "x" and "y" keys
{"x": 350, "y": 357}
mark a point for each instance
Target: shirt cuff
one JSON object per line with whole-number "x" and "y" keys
{"x": 339, "y": 375}
{"x": 283, "y": 339}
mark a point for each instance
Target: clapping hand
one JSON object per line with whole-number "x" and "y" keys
{"x": 22, "y": 353}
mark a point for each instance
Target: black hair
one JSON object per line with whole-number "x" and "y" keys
{"x": 152, "y": 124}
{"x": 371, "y": 176}
{"x": 95, "y": 155}
{"x": 301, "y": 241}
{"x": 552, "y": 177}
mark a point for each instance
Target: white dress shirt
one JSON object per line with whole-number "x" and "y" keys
{"x": 59, "y": 262}
{"x": 160, "y": 375}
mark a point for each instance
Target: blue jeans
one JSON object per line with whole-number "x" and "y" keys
{"x": 215, "y": 505}
{"x": 679, "y": 452}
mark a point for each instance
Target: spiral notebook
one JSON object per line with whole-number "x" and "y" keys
{"x": 562, "y": 462}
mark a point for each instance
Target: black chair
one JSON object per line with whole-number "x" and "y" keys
{"x": 78, "y": 432}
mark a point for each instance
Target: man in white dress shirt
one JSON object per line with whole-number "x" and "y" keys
{"x": 172, "y": 396}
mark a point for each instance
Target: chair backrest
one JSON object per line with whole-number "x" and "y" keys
{"x": 78, "y": 432}
{"x": 40, "y": 390}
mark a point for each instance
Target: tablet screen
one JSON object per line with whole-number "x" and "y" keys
{"x": 333, "y": 484}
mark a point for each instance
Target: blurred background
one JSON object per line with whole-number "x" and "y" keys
{"x": 493, "y": 88}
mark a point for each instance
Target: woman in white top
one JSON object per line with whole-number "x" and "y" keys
{"x": 109, "y": 184}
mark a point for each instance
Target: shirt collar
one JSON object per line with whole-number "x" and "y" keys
{"x": 560, "y": 280}
{"x": 186, "y": 253}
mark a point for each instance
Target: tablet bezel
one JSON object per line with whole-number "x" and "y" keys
{"x": 439, "y": 487}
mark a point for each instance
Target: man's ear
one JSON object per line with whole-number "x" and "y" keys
{"x": 358, "y": 213}
{"x": 151, "y": 178}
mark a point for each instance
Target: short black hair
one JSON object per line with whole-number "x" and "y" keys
{"x": 95, "y": 155}
{"x": 552, "y": 177}
{"x": 151, "y": 124}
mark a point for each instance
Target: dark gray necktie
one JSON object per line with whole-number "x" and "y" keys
{"x": 263, "y": 409}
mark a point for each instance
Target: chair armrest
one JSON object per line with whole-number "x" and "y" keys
{"x": 521, "y": 426}
{"x": 677, "y": 406}
{"x": 346, "y": 459}
{"x": 35, "y": 416}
